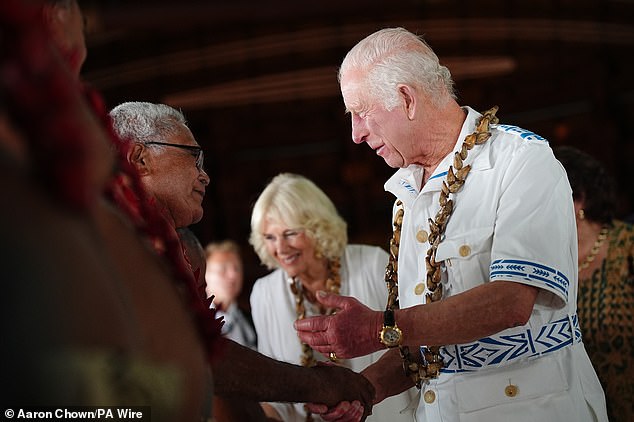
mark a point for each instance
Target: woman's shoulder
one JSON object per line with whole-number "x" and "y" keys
{"x": 622, "y": 229}
{"x": 365, "y": 250}
{"x": 622, "y": 236}
{"x": 271, "y": 281}
{"x": 367, "y": 257}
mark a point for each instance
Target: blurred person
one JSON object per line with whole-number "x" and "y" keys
{"x": 297, "y": 232}
{"x": 66, "y": 26}
{"x": 170, "y": 167}
{"x": 224, "y": 277}
{"x": 481, "y": 314}
{"x": 82, "y": 325}
{"x": 605, "y": 303}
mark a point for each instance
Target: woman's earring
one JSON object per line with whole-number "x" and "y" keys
{"x": 581, "y": 214}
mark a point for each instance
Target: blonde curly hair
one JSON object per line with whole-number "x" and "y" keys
{"x": 296, "y": 202}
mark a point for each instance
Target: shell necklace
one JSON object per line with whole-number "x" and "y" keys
{"x": 456, "y": 175}
{"x": 603, "y": 234}
{"x": 333, "y": 285}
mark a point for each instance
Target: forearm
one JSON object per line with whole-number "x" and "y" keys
{"x": 468, "y": 316}
{"x": 252, "y": 375}
{"x": 242, "y": 371}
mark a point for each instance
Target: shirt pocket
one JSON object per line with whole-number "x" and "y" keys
{"x": 528, "y": 392}
{"x": 467, "y": 257}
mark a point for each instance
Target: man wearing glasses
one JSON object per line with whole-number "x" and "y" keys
{"x": 167, "y": 157}
{"x": 90, "y": 312}
{"x": 170, "y": 167}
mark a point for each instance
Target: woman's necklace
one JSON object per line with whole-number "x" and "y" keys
{"x": 333, "y": 285}
{"x": 456, "y": 176}
{"x": 603, "y": 234}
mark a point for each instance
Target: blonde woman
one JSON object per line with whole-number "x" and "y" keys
{"x": 297, "y": 232}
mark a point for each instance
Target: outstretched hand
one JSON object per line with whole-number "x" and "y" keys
{"x": 351, "y": 332}
{"x": 352, "y": 395}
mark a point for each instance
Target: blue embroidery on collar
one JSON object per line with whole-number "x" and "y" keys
{"x": 407, "y": 186}
{"x": 438, "y": 175}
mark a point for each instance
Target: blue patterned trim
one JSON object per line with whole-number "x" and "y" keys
{"x": 443, "y": 174}
{"x": 522, "y": 133}
{"x": 505, "y": 349}
{"x": 514, "y": 268}
{"x": 407, "y": 186}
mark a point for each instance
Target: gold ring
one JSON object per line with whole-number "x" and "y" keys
{"x": 332, "y": 356}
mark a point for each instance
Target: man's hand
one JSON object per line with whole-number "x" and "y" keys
{"x": 347, "y": 395}
{"x": 351, "y": 332}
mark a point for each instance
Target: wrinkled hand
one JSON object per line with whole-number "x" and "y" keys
{"x": 351, "y": 332}
{"x": 347, "y": 395}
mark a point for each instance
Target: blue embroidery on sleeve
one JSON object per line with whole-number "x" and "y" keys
{"x": 498, "y": 350}
{"x": 526, "y": 270}
{"x": 522, "y": 133}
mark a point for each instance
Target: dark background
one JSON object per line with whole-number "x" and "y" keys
{"x": 257, "y": 82}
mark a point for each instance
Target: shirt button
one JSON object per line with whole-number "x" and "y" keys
{"x": 464, "y": 251}
{"x": 419, "y": 289}
{"x": 429, "y": 396}
{"x": 422, "y": 236}
{"x": 511, "y": 390}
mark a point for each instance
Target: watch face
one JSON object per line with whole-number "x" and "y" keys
{"x": 391, "y": 336}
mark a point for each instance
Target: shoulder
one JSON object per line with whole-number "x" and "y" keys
{"x": 525, "y": 154}
{"x": 518, "y": 133}
{"x": 623, "y": 233}
{"x": 366, "y": 262}
{"x": 269, "y": 283}
{"x": 366, "y": 275}
{"x": 356, "y": 252}
{"x": 516, "y": 141}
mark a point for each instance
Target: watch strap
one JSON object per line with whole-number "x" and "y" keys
{"x": 388, "y": 318}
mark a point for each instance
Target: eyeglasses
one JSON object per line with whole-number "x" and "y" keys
{"x": 196, "y": 151}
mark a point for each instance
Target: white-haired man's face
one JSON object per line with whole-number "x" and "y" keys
{"x": 174, "y": 176}
{"x": 387, "y": 132}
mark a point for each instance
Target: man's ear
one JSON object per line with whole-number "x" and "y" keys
{"x": 137, "y": 156}
{"x": 409, "y": 100}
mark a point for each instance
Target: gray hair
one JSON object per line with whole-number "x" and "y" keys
{"x": 395, "y": 56}
{"x": 297, "y": 202}
{"x": 142, "y": 122}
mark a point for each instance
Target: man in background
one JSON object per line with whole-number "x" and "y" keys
{"x": 224, "y": 278}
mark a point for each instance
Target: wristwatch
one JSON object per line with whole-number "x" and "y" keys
{"x": 390, "y": 335}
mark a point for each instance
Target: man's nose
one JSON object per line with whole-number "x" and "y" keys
{"x": 359, "y": 129}
{"x": 203, "y": 177}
